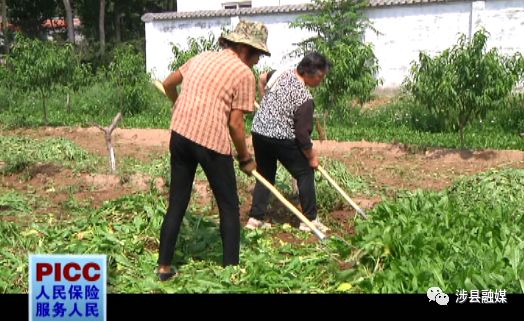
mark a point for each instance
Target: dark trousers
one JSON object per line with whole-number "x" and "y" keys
{"x": 185, "y": 156}
{"x": 267, "y": 152}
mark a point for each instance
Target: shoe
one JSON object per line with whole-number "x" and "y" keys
{"x": 321, "y": 227}
{"x": 253, "y": 224}
{"x": 164, "y": 276}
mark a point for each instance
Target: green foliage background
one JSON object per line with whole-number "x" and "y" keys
{"x": 339, "y": 28}
{"x": 464, "y": 82}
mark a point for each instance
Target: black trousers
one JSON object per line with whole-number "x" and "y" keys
{"x": 267, "y": 152}
{"x": 185, "y": 156}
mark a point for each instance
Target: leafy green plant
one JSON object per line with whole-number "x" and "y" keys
{"x": 42, "y": 66}
{"x": 339, "y": 28}
{"x": 195, "y": 46}
{"x": 127, "y": 230}
{"x": 464, "y": 82}
{"x": 80, "y": 78}
{"x": 127, "y": 73}
{"x": 417, "y": 240}
{"x": 21, "y": 152}
{"x": 467, "y": 237}
{"x": 328, "y": 199}
{"x": 13, "y": 201}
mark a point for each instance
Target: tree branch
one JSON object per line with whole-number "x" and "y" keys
{"x": 108, "y": 131}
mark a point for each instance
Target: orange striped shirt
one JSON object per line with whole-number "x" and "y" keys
{"x": 213, "y": 84}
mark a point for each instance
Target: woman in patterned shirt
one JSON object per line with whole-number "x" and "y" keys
{"x": 282, "y": 131}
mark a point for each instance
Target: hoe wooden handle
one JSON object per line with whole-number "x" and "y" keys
{"x": 290, "y": 206}
{"x": 159, "y": 86}
{"x": 337, "y": 187}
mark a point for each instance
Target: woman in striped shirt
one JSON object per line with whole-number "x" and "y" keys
{"x": 217, "y": 89}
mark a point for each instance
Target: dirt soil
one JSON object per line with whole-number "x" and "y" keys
{"x": 388, "y": 167}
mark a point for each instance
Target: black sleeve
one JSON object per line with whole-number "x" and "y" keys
{"x": 304, "y": 124}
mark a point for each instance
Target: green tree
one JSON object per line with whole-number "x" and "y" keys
{"x": 101, "y": 26}
{"x": 29, "y": 15}
{"x": 108, "y": 23}
{"x": 465, "y": 81}
{"x": 68, "y": 8}
{"x": 121, "y": 20}
{"x": 339, "y": 27}
{"x": 161, "y": 5}
{"x": 3, "y": 25}
{"x": 36, "y": 65}
{"x": 127, "y": 73}
{"x": 195, "y": 46}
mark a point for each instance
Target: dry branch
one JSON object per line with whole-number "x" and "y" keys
{"x": 107, "y": 135}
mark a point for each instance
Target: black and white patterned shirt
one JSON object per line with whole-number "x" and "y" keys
{"x": 286, "y": 111}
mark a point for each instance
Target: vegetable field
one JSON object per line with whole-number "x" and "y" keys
{"x": 438, "y": 217}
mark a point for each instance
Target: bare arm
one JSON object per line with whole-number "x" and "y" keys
{"x": 262, "y": 82}
{"x": 171, "y": 83}
{"x": 236, "y": 130}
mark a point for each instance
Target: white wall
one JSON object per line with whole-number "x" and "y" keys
{"x": 281, "y": 40}
{"x": 505, "y": 22}
{"x": 403, "y": 32}
{"x": 195, "y": 5}
{"x": 160, "y": 35}
{"x": 406, "y": 30}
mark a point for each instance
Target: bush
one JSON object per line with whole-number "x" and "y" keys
{"x": 464, "y": 82}
{"x": 509, "y": 115}
{"x": 195, "y": 46}
{"x": 40, "y": 66}
{"x": 339, "y": 27}
{"x": 461, "y": 238}
{"x": 128, "y": 74}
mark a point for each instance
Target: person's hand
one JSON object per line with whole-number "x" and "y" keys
{"x": 314, "y": 162}
{"x": 247, "y": 165}
{"x": 312, "y": 157}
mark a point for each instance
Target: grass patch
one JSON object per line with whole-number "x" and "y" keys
{"x": 466, "y": 237}
{"x": 19, "y": 153}
{"x": 401, "y": 121}
{"x": 404, "y": 122}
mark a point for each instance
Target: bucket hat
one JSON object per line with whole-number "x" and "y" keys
{"x": 251, "y": 33}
